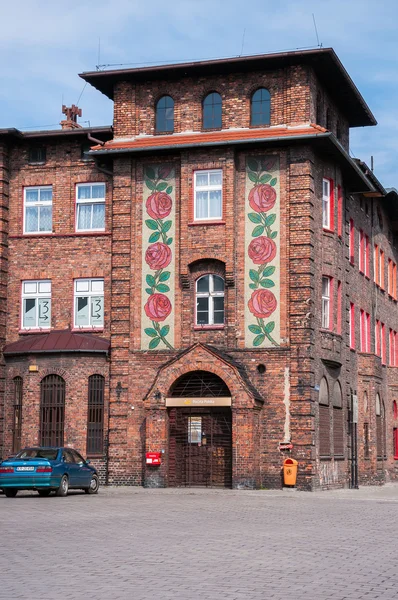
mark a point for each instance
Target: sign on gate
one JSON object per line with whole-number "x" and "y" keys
{"x": 216, "y": 401}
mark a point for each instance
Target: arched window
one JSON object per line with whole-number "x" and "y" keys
{"x": 261, "y": 107}
{"x": 338, "y": 421}
{"x": 52, "y": 410}
{"x": 379, "y": 429}
{"x": 95, "y": 414}
{"x": 165, "y": 115}
{"x": 210, "y": 300}
{"x": 212, "y": 111}
{"x": 324, "y": 419}
{"x": 319, "y": 109}
{"x": 394, "y": 409}
{"x": 17, "y": 421}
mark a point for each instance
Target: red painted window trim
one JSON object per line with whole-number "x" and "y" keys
{"x": 383, "y": 344}
{"x": 339, "y": 211}
{"x": 352, "y": 326}
{"x": 352, "y": 241}
{"x": 377, "y": 338}
{"x": 391, "y": 348}
{"x": 381, "y": 282}
{"x": 361, "y": 251}
{"x": 339, "y": 302}
{"x": 395, "y": 437}
{"x": 367, "y": 256}
{"x": 376, "y": 264}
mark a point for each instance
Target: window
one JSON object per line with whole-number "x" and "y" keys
{"x": 208, "y": 195}
{"x": 36, "y": 304}
{"x": 376, "y": 264}
{"x": 364, "y": 331}
{"x": 261, "y": 107}
{"x": 361, "y": 251}
{"x": 37, "y": 155}
{"x": 395, "y": 442}
{"x": 326, "y": 302}
{"x": 38, "y": 209}
{"x": 392, "y": 349}
{"x": 89, "y": 303}
{"x": 392, "y": 279}
{"x": 367, "y": 256}
{"x": 95, "y": 414}
{"x": 338, "y": 421}
{"x": 378, "y": 338}
{"x": 339, "y": 303}
{"x": 327, "y": 204}
{"x": 17, "y": 421}
{"x": 165, "y": 115}
{"x": 339, "y": 211}
{"x": 212, "y": 111}
{"x": 52, "y": 411}
{"x": 381, "y": 270}
{"x": 90, "y": 207}
{"x": 366, "y": 447}
{"x": 352, "y": 241}
{"x": 324, "y": 419}
{"x": 352, "y": 326}
{"x": 319, "y": 109}
{"x": 210, "y": 300}
{"x": 383, "y": 344}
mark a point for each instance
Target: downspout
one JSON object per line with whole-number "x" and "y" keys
{"x": 101, "y": 143}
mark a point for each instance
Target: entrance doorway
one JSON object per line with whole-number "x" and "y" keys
{"x": 200, "y": 432}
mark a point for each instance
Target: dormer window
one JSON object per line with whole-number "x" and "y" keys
{"x": 165, "y": 115}
{"x": 261, "y": 107}
{"x": 212, "y": 111}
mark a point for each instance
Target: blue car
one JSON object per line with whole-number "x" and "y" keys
{"x": 47, "y": 470}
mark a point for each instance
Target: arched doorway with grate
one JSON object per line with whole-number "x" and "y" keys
{"x": 200, "y": 431}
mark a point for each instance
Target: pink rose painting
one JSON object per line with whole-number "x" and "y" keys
{"x": 158, "y": 253}
{"x": 262, "y": 249}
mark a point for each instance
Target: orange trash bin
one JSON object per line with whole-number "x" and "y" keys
{"x": 290, "y": 471}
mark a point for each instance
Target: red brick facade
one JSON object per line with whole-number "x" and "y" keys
{"x": 274, "y": 391}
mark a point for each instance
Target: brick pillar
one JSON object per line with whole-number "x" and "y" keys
{"x": 246, "y": 448}
{"x": 156, "y": 441}
{"x": 4, "y": 195}
{"x": 121, "y": 454}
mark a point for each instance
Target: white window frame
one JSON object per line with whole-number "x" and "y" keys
{"x": 36, "y": 294}
{"x": 91, "y": 201}
{"x": 89, "y": 293}
{"x": 208, "y": 188}
{"x": 37, "y": 204}
{"x": 326, "y": 221}
{"x": 211, "y": 294}
{"x": 326, "y": 303}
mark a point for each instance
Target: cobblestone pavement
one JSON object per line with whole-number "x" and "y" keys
{"x": 131, "y": 543}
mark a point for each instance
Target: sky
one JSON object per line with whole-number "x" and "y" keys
{"x": 44, "y": 44}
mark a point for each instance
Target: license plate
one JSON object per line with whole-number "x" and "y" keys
{"x": 25, "y": 468}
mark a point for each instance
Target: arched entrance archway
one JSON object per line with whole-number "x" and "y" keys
{"x": 200, "y": 431}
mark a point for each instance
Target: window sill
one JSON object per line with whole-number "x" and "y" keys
{"x": 87, "y": 329}
{"x": 164, "y": 132}
{"x": 60, "y": 235}
{"x": 86, "y": 231}
{"x": 208, "y": 327}
{"x": 204, "y": 223}
{"x": 96, "y": 456}
{"x": 327, "y": 230}
{"x": 339, "y": 457}
{"x": 325, "y": 458}
{"x": 34, "y": 331}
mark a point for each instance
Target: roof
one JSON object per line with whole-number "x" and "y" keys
{"x": 188, "y": 140}
{"x": 78, "y": 131}
{"x": 57, "y": 341}
{"x": 325, "y": 140}
{"x": 324, "y": 61}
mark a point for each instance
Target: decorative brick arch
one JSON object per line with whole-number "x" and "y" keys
{"x": 202, "y": 358}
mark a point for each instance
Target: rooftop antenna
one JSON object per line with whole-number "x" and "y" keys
{"x": 243, "y": 42}
{"x": 316, "y": 31}
{"x": 99, "y": 53}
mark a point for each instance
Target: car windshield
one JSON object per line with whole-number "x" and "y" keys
{"x": 48, "y": 453}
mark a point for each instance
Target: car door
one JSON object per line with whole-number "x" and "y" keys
{"x": 84, "y": 472}
{"x": 72, "y": 469}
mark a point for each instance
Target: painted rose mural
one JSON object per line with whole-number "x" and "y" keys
{"x": 262, "y": 252}
{"x": 158, "y": 232}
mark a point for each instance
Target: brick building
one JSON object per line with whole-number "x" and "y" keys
{"x": 215, "y": 281}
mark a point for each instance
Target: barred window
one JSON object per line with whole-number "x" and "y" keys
{"x": 17, "y": 421}
{"x": 95, "y": 414}
{"x": 52, "y": 411}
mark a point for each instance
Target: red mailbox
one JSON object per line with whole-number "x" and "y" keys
{"x": 153, "y": 459}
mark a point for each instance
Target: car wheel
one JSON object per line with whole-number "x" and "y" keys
{"x": 44, "y": 493}
{"x": 94, "y": 486}
{"x": 63, "y": 487}
{"x": 10, "y": 493}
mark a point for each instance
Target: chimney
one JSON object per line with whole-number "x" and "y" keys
{"x": 71, "y": 114}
